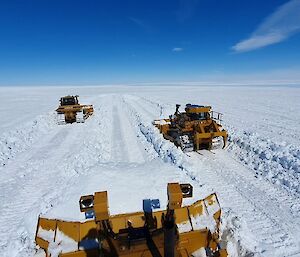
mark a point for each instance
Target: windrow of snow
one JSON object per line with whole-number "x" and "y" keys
{"x": 232, "y": 230}
{"x": 20, "y": 139}
{"x": 277, "y": 162}
{"x": 165, "y": 149}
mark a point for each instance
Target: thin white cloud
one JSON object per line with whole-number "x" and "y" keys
{"x": 277, "y": 27}
{"x": 138, "y": 22}
{"x": 177, "y": 49}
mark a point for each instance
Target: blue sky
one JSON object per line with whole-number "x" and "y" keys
{"x": 59, "y": 42}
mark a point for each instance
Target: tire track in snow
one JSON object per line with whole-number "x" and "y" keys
{"x": 119, "y": 149}
{"x": 266, "y": 219}
{"x": 126, "y": 146}
{"x": 274, "y": 233}
{"x": 138, "y": 153}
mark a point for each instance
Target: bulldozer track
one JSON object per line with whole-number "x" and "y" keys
{"x": 125, "y": 142}
{"x": 272, "y": 210}
{"x": 120, "y": 153}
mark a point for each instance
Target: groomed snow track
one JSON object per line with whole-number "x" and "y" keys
{"x": 118, "y": 149}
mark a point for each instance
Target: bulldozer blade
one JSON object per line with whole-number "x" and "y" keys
{"x": 80, "y": 117}
{"x": 61, "y": 119}
{"x": 57, "y": 237}
{"x": 198, "y": 226}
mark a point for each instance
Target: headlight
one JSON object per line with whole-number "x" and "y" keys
{"x": 86, "y": 203}
{"x": 187, "y": 190}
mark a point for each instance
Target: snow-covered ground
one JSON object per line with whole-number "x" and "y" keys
{"x": 45, "y": 168}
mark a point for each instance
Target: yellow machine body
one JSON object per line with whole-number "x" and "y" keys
{"x": 179, "y": 231}
{"x": 70, "y": 110}
{"x": 194, "y": 129}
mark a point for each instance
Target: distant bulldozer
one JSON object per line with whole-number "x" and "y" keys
{"x": 195, "y": 129}
{"x": 70, "y": 110}
{"x": 178, "y": 231}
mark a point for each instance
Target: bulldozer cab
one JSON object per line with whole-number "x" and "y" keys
{"x": 69, "y": 100}
{"x": 197, "y": 112}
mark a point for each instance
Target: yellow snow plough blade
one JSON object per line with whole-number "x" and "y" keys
{"x": 179, "y": 231}
{"x": 193, "y": 129}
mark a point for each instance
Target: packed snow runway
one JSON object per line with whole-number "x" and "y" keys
{"x": 45, "y": 167}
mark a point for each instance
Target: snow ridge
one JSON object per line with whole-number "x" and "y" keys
{"x": 165, "y": 150}
{"x": 19, "y": 140}
{"x": 277, "y": 162}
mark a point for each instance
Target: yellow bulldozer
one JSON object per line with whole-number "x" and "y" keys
{"x": 70, "y": 110}
{"x": 196, "y": 128}
{"x": 178, "y": 231}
